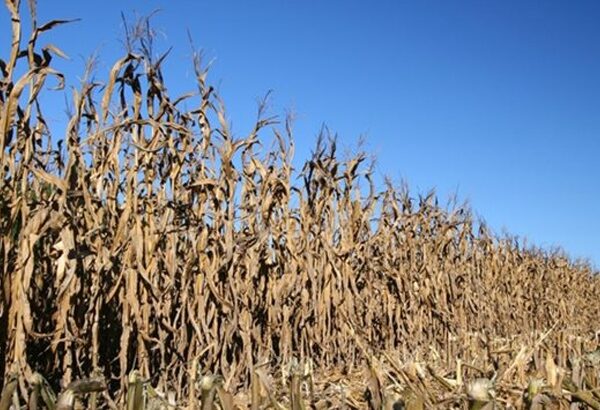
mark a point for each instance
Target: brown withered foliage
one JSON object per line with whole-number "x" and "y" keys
{"x": 151, "y": 247}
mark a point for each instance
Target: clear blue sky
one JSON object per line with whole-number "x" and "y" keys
{"x": 496, "y": 100}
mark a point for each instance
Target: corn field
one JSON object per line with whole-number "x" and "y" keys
{"x": 151, "y": 259}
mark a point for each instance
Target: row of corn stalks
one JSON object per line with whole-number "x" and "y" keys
{"x": 385, "y": 383}
{"x": 149, "y": 237}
